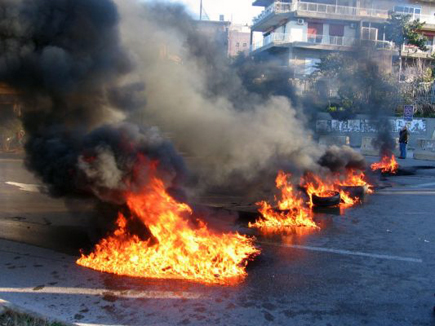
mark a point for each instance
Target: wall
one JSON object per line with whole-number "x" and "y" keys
{"x": 360, "y": 126}
{"x": 297, "y": 31}
{"x": 426, "y": 8}
{"x": 350, "y": 32}
{"x": 238, "y": 42}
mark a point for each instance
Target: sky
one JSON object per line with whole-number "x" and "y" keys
{"x": 237, "y": 11}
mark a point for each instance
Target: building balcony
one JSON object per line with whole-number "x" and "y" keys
{"x": 339, "y": 12}
{"x": 320, "y": 42}
{"x": 411, "y": 51}
{"x": 277, "y": 11}
{"x": 262, "y": 3}
{"x": 272, "y": 15}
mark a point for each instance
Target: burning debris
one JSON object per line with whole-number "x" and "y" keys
{"x": 176, "y": 248}
{"x": 345, "y": 190}
{"x": 291, "y": 210}
{"x": 334, "y": 189}
{"x": 388, "y": 165}
{"x": 84, "y": 78}
{"x": 66, "y": 60}
{"x": 319, "y": 190}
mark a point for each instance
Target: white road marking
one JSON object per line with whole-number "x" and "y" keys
{"x": 102, "y": 292}
{"x": 407, "y": 192}
{"x": 25, "y": 186}
{"x": 424, "y": 185}
{"x": 347, "y": 252}
{"x": 83, "y": 324}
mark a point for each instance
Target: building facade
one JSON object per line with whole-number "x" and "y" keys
{"x": 298, "y": 33}
{"x": 217, "y": 31}
{"x": 231, "y": 38}
{"x": 239, "y": 38}
{"x": 425, "y": 12}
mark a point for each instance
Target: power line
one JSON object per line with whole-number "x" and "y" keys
{"x": 200, "y": 11}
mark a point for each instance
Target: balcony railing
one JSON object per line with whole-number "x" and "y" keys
{"x": 319, "y": 8}
{"x": 341, "y": 10}
{"x": 410, "y": 50}
{"x": 341, "y": 41}
{"x": 283, "y": 38}
{"x": 273, "y": 9}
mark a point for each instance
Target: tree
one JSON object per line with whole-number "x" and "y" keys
{"x": 417, "y": 88}
{"x": 401, "y": 30}
{"x": 360, "y": 83}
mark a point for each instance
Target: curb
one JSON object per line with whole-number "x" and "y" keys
{"x": 6, "y": 305}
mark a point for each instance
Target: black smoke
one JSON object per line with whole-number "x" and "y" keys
{"x": 339, "y": 159}
{"x": 66, "y": 60}
{"x": 107, "y": 162}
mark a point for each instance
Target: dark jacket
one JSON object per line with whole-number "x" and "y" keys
{"x": 404, "y": 136}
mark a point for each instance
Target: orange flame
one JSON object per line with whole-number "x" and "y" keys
{"x": 319, "y": 187}
{"x": 315, "y": 186}
{"x": 388, "y": 164}
{"x": 354, "y": 178}
{"x": 176, "y": 250}
{"x": 291, "y": 211}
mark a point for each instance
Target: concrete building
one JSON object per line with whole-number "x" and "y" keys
{"x": 425, "y": 12}
{"x": 232, "y": 38}
{"x": 299, "y": 33}
{"x": 239, "y": 38}
{"x": 218, "y": 31}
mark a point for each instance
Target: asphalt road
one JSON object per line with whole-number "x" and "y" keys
{"x": 372, "y": 265}
{"x": 30, "y": 216}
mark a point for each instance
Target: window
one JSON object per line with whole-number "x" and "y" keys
{"x": 336, "y": 34}
{"x": 237, "y": 44}
{"x": 414, "y": 11}
{"x": 315, "y": 32}
{"x": 245, "y": 45}
{"x": 336, "y": 30}
{"x": 369, "y": 33}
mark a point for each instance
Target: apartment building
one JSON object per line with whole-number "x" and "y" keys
{"x": 217, "y": 31}
{"x": 239, "y": 38}
{"x": 230, "y": 38}
{"x": 298, "y": 33}
{"x": 425, "y": 12}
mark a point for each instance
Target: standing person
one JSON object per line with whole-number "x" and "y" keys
{"x": 403, "y": 141}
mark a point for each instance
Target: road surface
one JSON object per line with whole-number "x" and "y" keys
{"x": 373, "y": 265}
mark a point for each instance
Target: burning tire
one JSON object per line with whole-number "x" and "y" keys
{"x": 333, "y": 199}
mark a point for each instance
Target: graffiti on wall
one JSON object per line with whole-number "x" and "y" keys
{"x": 418, "y": 126}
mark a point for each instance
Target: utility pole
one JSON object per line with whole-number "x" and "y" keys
{"x": 200, "y": 11}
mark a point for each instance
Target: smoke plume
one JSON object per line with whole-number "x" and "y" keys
{"x": 224, "y": 129}
{"x": 66, "y": 60}
{"x": 98, "y": 80}
{"x": 339, "y": 159}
